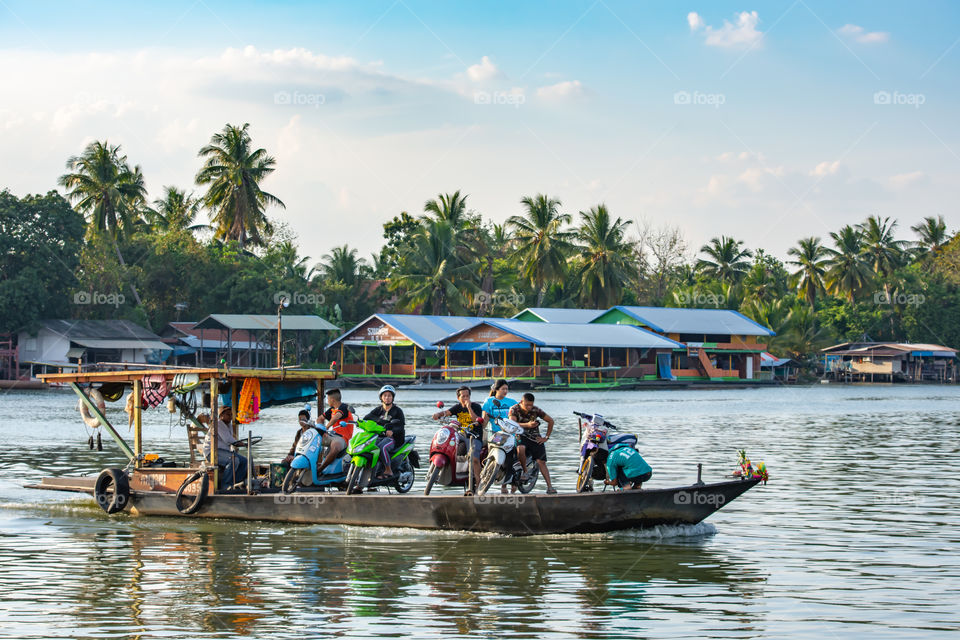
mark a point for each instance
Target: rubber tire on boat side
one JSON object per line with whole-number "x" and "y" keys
{"x": 291, "y": 481}
{"x": 120, "y": 498}
{"x": 487, "y": 475}
{"x": 433, "y": 472}
{"x": 201, "y": 494}
{"x": 583, "y": 478}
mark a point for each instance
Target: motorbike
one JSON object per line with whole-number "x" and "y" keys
{"x": 366, "y": 463}
{"x": 449, "y": 458}
{"x": 502, "y": 462}
{"x": 595, "y": 443}
{"x": 307, "y": 458}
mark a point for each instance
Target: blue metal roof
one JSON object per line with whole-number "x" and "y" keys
{"x": 546, "y": 334}
{"x": 706, "y": 321}
{"x": 570, "y": 316}
{"x": 423, "y": 331}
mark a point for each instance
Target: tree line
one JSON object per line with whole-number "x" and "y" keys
{"x": 104, "y": 234}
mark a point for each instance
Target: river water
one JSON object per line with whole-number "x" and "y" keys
{"x": 856, "y": 535}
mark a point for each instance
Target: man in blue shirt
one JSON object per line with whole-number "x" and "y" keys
{"x": 625, "y": 466}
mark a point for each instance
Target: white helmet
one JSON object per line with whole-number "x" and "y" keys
{"x": 387, "y": 387}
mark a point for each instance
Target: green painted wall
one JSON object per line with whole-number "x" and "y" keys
{"x": 615, "y": 316}
{"x": 528, "y": 316}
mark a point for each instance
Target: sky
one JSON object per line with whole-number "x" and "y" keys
{"x": 765, "y": 121}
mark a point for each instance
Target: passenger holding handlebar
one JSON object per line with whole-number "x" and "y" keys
{"x": 468, "y": 414}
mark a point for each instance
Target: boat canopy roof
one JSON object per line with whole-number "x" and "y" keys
{"x": 132, "y": 373}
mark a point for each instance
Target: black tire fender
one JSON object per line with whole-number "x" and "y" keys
{"x": 197, "y": 499}
{"x": 119, "y": 498}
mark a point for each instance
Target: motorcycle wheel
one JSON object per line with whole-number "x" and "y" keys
{"x": 292, "y": 480}
{"x": 583, "y": 476}
{"x": 533, "y": 472}
{"x": 352, "y": 476}
{"x": 406, "y": 478}
{"x": 487, "y": 475}
{"x": 432, "y": 474}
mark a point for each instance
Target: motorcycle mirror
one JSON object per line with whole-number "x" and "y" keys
{"x": 440, "y": 404}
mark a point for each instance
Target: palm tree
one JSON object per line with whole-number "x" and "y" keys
{"x": 542, "y": 245}
{"x": 448, "y": 207}
{"x": 605, "y": 263}
{"x": 107, "y": 192}
{"x": 342, "y": 265}
{"x": 933, "y": 235}
{"x": 726, "y": 260}
{"x": 847, "y": 272}
{"x": 810, "y": 260}
{"x": 176, "y": 210}
{"x": 883, "y": 252}
{"x": 431, "y": 274}
{"x": 234, "y": 171}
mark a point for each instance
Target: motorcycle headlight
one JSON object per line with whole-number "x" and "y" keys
{"x": 442, "y": 436}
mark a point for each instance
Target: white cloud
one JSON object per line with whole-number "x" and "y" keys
{"x": 741, "y": 34}
{"x": 905, "y": 180}
{"x": 561, "y": 90}
{"x": 861, "y": 35}
{"x": 483, "y": 71}
{"x": 826, "y": 168}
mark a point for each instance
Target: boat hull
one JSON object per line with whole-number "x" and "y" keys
{"x": 513, "y": 514}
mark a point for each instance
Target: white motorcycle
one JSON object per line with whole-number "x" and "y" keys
{"x": 502, "y": 461}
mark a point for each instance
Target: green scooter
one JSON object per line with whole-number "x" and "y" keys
{"x": 366, "y": 463}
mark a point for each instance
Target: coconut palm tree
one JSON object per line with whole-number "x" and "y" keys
{"x": 107, "y": 192}
{"x": 233, "y": 171}
{"x": 176, "y": 210}
{"x": 726, "y": 260}
{"x": 448, "y": 207}
{"x": 342, "y": 265}
{"x": 933, "y": 235}
{"x": 604, "y": 265}
{"x": 810, "y": 259}
{"x": 542, "y": 244}
{"x": 432, "y": 275}
{"x": 847, "y": 271}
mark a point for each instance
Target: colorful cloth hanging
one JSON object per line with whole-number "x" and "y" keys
{"x": 248, "y": 404}
{"x": 154, "y": 390}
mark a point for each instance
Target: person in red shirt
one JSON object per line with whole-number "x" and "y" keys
{"x": 338, "y": 427}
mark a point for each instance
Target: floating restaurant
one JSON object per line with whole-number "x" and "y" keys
{"x": 890, "y": 362}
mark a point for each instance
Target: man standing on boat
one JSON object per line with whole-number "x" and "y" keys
{"x": 390, "y": 416}
{"x": 469, "y": 415}
{"x": 528, "y": 416}
{"x": 235, "y": 465}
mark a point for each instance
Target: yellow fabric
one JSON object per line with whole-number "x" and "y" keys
{"x": 248, "y": 405}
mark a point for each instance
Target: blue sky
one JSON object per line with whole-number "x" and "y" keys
{"x": 767, "y": 121}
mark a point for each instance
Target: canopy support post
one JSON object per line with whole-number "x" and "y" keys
{"x": 138, "y": 420}
{"x": 214, "y": 424}
{"x": 103, "y": 420}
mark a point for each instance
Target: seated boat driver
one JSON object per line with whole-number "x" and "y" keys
{"x": 625, "y": 466}
{"x": 390, "y": 416}
{"x": 337, "y": 429}
{"x": 469, "y": 415}
{"x": 303, "y": 419}
{"x": 235, "y": 465}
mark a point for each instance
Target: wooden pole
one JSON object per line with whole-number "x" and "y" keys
{"x": 214, "y": 421}
{"x": 504, "y": 362}
{"x": 414, "y": 361}
{"x": 364, "y": 359}
{"x": 390, "y": 360}
{"x": 534, "y": 361}
{"x": 446, "y": 361}
{"x": 473, "y": 372}
{"x": 341, "y": 356}
{"x": 138, "y": 421}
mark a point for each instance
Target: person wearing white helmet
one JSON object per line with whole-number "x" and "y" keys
{"x": 390, "y": 416}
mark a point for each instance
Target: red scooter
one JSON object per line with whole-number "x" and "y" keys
{"x": 449, "y": 458}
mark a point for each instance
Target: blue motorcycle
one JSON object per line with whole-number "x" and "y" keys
{"x": 307, "y": 458}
